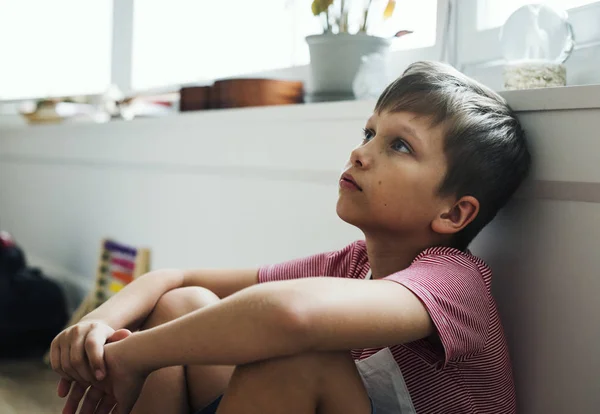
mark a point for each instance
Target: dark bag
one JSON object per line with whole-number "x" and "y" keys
{"x": 33, "y": 308}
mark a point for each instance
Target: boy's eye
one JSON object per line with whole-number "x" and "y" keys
{"x": 368, "y": 134}
{"x": 401, "y": 146}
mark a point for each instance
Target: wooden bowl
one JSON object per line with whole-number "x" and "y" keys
{"x": 194, "y": 98}
{"x": 237, "y": 93}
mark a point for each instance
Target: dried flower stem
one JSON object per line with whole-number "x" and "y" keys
{"x": 364, "y": 25}
{"x": 342, "y": 22}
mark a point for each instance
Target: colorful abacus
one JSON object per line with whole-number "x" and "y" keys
{"x": 118, "y": 265}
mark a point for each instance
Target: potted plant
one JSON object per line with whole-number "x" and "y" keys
{"x": 335, "y": 55}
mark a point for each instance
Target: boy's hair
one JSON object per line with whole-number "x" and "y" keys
{"x": 485, "y": 145}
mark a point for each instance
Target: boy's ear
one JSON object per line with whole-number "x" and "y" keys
{"x": 457, "y": 217}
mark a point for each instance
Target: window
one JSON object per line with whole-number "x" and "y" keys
{"x": 478, "y": 49}
{"x": 193, "y": 40}
{"x": 58, "y": 47}
{"x": 180, "y": 41}
{"x": 420, "y": 17}
{"x": 74, "y": 47}
{"x": 493, "y": 13}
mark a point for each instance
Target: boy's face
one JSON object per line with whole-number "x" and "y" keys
{"x": 397, "y": 170}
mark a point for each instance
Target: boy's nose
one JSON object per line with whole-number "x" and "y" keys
{"x": 360, "y": 158}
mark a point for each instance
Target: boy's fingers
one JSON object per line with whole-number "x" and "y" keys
{"x": 55, "y": 362}
{"x": 94, "y": 348}
{"x": 119, "y": 335}
{"x": 91, "y": 400}
{"x": 79, "y": 360}
{"x": 106, "y": 405}
{"x": 64, "y": 385}
{"x": 67, "y": 367}
{"x": 121, "y": 410}
{"x": 77, "y": 392}
{"x": 65, "y": 363}
{"x": 55, "y": 355}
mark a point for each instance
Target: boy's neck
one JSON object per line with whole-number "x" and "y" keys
{"x": 390, "y": 255}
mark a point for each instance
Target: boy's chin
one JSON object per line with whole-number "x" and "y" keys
{"x": 349, "y": 216}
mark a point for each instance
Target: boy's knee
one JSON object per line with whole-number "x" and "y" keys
{"x": 313, "y": 364}
{"x": 179, "y": 302}
{"x": 317, "y": 360}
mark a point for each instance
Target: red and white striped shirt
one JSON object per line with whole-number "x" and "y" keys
{"x": 471, "y": 371}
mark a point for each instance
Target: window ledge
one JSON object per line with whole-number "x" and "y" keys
{"x": 554, "y": 99}
{"x": 547, "y": 99}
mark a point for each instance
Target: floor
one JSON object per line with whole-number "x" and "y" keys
{"x": 28, "y": 387}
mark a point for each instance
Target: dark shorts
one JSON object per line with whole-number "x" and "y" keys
{"x": 212, "y": 408}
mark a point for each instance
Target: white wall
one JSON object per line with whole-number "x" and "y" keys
{"x": 226, "y": 188}
{"x": 544, "y": 252}
{"x": 253, "y": 186}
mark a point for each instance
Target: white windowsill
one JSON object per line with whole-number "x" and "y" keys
{"x": 551, "y": 99}
{"x": 548, "y": 99}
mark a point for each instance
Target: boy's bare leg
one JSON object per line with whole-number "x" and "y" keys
{"x": 175, "y": 389}
{"x": 323, "y": 383}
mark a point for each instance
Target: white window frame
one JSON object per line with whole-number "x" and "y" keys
{"x": 445, "y": 45}
{"x": 478, "y": 52}
{"x": 122, "y": 45}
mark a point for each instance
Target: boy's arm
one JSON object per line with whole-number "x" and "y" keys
{"x": 77, "y": 352}
{"x": 266, "y": 321}
{"x": 281, "y": 318}
{"x": 133, "y": 304}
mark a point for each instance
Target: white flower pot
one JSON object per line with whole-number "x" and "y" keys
{"x": 334, "y": 62}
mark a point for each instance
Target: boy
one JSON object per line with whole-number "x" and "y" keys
{"x": 441, "y": 155}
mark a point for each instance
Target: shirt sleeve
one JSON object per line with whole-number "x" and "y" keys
{"x": 457, "y": 299}
{"x": 340, "y": 263}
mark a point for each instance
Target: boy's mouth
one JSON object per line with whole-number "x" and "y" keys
{"x": 349, "y": 179}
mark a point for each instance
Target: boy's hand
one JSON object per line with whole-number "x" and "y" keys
{"x": 121, "y": 387}
{"x": 100, "y": 397}
{"x": 126, "y": 381}
{"x": 77, "y": 354}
